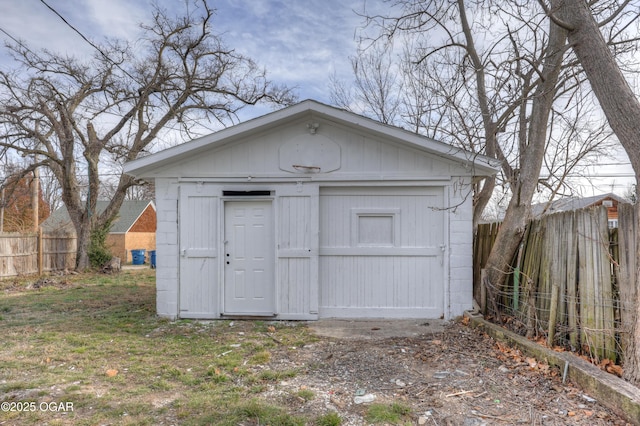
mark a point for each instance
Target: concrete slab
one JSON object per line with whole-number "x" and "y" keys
{"x": 135, "y": 267}
{"x": 368, "y": 329}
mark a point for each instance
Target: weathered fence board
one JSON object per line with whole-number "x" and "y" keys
{"x": 563, "y": 282}
{"x": 482, "y": 247}
{"x": 625, "y": 269}
{"x": 20, "y": 253}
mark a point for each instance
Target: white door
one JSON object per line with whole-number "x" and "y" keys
{"x": 249, "y": 257}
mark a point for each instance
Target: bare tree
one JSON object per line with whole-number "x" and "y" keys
{"x": 75, "y": 115}
{"x": 506, "y": 81}
{"x": 502, "y": 84}
{"x": 618, "y": 101}
{"x": 376, "y": 86}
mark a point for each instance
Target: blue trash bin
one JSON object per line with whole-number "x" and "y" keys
{"x": 137, "y": 257}
{"x": 152, "y": 257}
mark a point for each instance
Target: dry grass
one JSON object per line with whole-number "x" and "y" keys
{"x": 95, "y": 342}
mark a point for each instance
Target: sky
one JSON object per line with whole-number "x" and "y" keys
{"x": 301, "y": 43}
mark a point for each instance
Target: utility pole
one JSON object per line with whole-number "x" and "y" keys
{"x": 35, "y": 187}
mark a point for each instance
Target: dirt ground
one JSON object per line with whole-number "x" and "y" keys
{"x": 447, "y": 373}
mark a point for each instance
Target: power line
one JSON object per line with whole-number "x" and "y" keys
{"x": 21, "y": 44}
{"x": 92, "y": 44}
{"x": 86, "y": 39}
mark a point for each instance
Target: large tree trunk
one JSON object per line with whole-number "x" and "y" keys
{"x": 83, "y": 232}
{"x": 621, "y": 108}
{"x": 525, "y": 182}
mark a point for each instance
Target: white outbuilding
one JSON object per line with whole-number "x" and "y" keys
{"x": 313, "y": 212}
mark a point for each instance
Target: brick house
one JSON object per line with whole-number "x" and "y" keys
{"x": 134, "y": 228}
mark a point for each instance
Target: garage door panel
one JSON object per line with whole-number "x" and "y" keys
{"x": 381, "y": 252}
{"x": 379, "y": 282}
{"x": 416, "y": 214}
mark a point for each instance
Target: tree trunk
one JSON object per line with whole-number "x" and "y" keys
{"x": 531, "y": 156}
{"x": 83, "y": 232}
{"x": 622, "y": 109}
{"x": 482, "y": 199}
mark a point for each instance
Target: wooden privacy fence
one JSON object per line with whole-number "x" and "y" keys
{"x": 570, "y": 282}
{"x": 24, "y": 254}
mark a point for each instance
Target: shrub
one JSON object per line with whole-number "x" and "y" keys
{"x": 98, "y": 252}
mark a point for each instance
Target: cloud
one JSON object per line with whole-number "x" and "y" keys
{"x": 300, "y": 43}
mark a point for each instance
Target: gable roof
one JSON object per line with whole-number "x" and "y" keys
{"x": 129, "y": 213}
{"x": 571, "y": 203}
{"x": 480, "y": 164}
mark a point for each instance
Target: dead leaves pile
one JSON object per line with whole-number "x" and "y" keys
{"x": 508, "y": 354}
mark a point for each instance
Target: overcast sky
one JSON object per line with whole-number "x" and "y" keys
{"x": 301, "y": 43}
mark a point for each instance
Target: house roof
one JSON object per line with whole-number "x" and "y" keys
{"x": 129, "y": 213}
{"x": 480, "y": 164}
{"x": 572, "y": 203}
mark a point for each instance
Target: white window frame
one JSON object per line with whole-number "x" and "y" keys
{"x": 357, "y": 213}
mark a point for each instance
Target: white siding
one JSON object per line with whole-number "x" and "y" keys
{"x": 358, "y": 155}
{"x": 394, "y": 270}
{"x": 460, "y": 291}
{"x": 167, "y": 248}
{"x": 199, "y": 293}
{"x": 297, "y": 235}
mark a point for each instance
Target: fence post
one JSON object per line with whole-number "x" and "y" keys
{"x": 483, "y": 291}
{"x": 40, "y": 254}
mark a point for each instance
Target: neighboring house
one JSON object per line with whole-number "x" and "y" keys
{"x": 610, "y": 201}
{"x": 312, "y": 212}
{"x": 134, "y": 228}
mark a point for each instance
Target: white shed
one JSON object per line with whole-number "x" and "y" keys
{"x": 312, "y": 212}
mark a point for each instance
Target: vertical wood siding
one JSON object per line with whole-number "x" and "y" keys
{"x": 370, "y": 275}
{"x": 297, "y": 253}
{"x": 199, "y": 290}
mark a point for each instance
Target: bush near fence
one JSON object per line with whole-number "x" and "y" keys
{"x": 569, "y": 284}
{"x": 25, "y": 254}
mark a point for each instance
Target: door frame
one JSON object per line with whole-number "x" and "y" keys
{"x": 222, "y": 274}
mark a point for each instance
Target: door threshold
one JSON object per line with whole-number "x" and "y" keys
{"x": 248, "y": 316}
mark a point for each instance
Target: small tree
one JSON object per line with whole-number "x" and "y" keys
{"x": 76, "y": 116}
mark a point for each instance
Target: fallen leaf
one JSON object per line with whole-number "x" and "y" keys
{"x": 111, "y": 372}
{"x": 615, "y": 369}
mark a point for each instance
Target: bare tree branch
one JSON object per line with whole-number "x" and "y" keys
{"x": 77, "y": 115}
